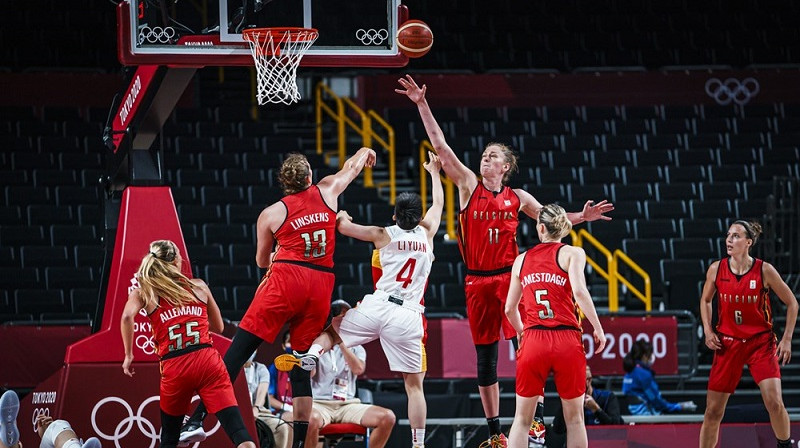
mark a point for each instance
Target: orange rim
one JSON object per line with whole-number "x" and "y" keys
{"x": 296, "y": 33}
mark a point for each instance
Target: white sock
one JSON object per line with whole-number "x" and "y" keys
{"x": 316, "y": 350}
{"x": 418, "y": 437}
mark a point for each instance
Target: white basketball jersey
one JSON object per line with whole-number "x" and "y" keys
{"x": 406, "y": 263}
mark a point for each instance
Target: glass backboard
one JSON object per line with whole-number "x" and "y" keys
{"x": 352, "y": 33}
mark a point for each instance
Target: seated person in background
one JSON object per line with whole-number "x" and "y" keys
{"x": 333, "y": 383}
{"x": 640, "y": 386}
{"x": 600, "y": 407}
{"x": 54, "y": 433}
{"x": 257, "y": 377}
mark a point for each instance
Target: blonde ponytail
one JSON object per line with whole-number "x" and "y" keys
{"x": 159, "y": 276}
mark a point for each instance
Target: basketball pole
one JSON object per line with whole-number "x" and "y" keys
{"x": 138, "y": 208}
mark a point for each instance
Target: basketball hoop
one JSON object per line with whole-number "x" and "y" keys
{"x": 277, "y": 53}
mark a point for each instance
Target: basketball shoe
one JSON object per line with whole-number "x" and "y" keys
{"x": 191, "y": 433}
{"x": 9, "y": 408}
{"x": 288, "y": 361}
{"x": 536, "y": 433}
{"x": 93, "y": 442}
{"x": 496, "y": 441}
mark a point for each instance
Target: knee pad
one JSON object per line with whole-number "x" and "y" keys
{"x": 487, "y": 364}
{"x": 301, "y": 382}
{"x": 231, "y": 421}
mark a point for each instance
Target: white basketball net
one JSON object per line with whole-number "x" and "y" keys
{"x": 277, "y": 56}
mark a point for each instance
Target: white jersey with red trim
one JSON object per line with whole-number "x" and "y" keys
{"x": 406, "y": 263}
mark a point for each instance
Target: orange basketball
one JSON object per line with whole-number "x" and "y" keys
{"x": 414, "y": 38}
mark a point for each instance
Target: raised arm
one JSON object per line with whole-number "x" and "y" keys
{"x": 591, "y": 211}
{"x": 433, "y": 217}
{"x": 373, "y": 234}
{"x": 709, "y": 289}
{"x": 576, "y": 258}
{"x": 774, "y": 281}
{"x": 463, "y": 177}
{"x": 332, "y": 186}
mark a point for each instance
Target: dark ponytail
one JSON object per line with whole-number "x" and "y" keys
{"x": 639, "y": 349}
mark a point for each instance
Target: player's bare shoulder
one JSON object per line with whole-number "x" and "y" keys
{"x": 713, "y": 268}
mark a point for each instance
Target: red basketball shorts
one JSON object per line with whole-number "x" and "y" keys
{"x": 292, "y": 294}
{"x": 201, "y": 372}
{"x": 486, "y": 301}
{"x": 557, "y": 351}
{"x": 757, "y": 352}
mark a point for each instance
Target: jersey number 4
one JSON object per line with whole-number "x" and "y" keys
{"x": 406, "y": 274}
{"x": 176, "y": 335}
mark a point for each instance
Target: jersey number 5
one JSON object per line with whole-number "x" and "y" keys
{"x": 540, "y": 293}
{"x": 406, "y": 274}
{"x": 318, "y": 237}
{"x": 180, "y": 344}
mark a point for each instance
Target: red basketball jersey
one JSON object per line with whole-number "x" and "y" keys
{"x": 308, "y": 234}
{"x": 487, "y": 233}
{"x": 179, "y": 328}
{"x": 546, "y": 291}
{"x": 743, "y": 309}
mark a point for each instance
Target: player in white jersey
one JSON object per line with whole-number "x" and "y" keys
{"x": 393, "y": 313}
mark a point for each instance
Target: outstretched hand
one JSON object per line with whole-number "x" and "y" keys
{"x": 412, "y": 90}
{"x": 433, "y": 165}
{"x": 597, "y": 211}
{"x": 371, "y": 157}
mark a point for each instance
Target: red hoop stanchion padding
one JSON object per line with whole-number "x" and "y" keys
{"x": 277, "y": 53}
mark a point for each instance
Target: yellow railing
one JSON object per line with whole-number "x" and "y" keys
{"x": 364, "y": 128}
{"x": 647, "y": 295}
{"x": 387, "y": 144}
{"x": 611, "y": 272}
{"x": 449, "y": 194}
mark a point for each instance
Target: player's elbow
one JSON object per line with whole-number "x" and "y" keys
{"x": 262, "y": 261}
{"x": 582, "y": 296}
{"x": 359, "y": 369}
{"x": 128, "y": 315}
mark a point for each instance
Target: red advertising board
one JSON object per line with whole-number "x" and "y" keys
{"x": 451, "y": 353}
{"x": 98, "y": 400}
{"x": 621, "y": 332}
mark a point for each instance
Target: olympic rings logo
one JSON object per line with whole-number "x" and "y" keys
{"x": 156, "y": 35}
{"x": 372, "y": 36}
{"x": 146, "y": 344}
{"x": 36, "y": 413}
{"x": 124, "y": 427}
{"x": 732, "y": 90}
